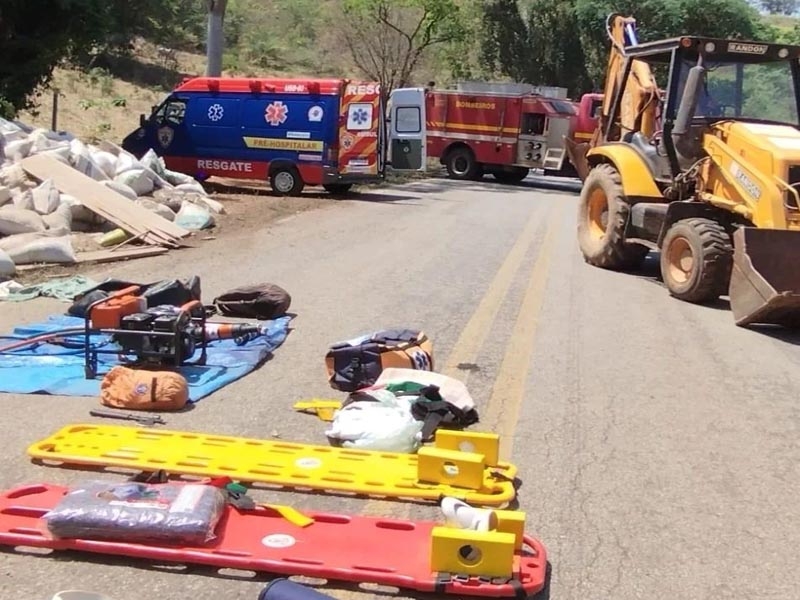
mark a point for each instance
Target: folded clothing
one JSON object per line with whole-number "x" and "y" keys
{"x": 172, "y": 513}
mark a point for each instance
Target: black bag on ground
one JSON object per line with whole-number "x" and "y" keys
{"x": 262, "y": 301}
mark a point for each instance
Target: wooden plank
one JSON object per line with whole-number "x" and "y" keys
{"x": 102, "y": 200}
{"x": 101, "y": 256}
{"x": 104, "y": 256}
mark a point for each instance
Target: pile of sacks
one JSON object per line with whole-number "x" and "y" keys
{"x": 37, "y": 222}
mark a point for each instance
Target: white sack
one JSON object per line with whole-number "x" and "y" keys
{"x": 22, "y": 199}
{"x": 17, "y": 220}
{"x": 7, "y": 266}
{"x": 156, "y": 207}
{"x": 60, "y": 220}
{"x": 5, "y": 195}
{"x": 18, "y": 149}
{"x": 45, "y": 197}
{"x": 138, "y": 180}
{"x": 44, "y": 250}
{"x": 106, "y": 161}
{"x": 121, "y": 188}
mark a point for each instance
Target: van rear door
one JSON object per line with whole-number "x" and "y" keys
{"x": 359, "y": 130}
{"x": 407, "y": 137}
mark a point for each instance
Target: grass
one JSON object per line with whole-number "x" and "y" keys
{"x": 105, "y": 101}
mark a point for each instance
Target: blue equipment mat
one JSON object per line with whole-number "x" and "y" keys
{"x": 59, "y": 369}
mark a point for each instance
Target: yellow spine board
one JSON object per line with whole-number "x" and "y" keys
{"x": 435, "y": 472}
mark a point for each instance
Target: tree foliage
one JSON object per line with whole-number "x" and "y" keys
{"x": 396, "y": 42}
{"x": 780, "y": 7}
{"x": 387, "y": 39}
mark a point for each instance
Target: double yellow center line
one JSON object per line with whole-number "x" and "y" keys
{"x": 501, "y": 412}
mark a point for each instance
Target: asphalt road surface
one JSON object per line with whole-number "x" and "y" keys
{"x": 657, "y": 442}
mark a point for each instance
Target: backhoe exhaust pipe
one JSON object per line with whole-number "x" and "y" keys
{"x": 686, "y": 111}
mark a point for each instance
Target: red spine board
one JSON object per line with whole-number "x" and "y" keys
{"x": 488, "y": 124}
{"x": 359, "y": 549}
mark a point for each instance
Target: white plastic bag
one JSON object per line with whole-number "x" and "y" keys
{"x": 194, "y": 217}
{"x": 385, "y": 425}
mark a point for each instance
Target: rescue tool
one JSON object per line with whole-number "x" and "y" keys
{"x": 143, "y": 419}
{"x": 476, "y": 476}
{"x": 419, "y": 555}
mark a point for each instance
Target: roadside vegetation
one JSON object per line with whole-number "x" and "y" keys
{"x": 108, "y": 61}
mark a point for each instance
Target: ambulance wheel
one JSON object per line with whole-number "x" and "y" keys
{"x": 286, "y": 181}
{"x": 337, "y": 189}
{"x": 460, "y": 163}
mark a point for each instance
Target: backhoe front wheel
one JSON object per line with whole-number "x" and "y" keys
{"x": 696, "y": 260}
{"x": 602, "y": 215}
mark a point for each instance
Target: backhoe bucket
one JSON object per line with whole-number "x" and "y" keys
{"x": 577, "y": 156}
{"x": 765, "y": 280}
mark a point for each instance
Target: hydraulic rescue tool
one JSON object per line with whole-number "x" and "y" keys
{"x": 704, "y": 168}
{"x": 158, "y": 335}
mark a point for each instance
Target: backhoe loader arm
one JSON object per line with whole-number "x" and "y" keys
{"x": 639, "y": 99}
{"x": 637, "y": 96}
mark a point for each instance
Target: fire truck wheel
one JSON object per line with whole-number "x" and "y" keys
{"x": 460, "y": 163}
{"x": 514, "y": 176}
{"x": 286, "y": 181}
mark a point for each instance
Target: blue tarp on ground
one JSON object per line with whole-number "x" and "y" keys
{"x": 59, "y": 370}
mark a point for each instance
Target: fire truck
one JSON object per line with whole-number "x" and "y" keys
{"x": 505, "y": 129}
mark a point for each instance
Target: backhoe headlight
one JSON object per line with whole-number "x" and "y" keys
{"x": 710, "y": 46}
{"x": 783, "y": 52}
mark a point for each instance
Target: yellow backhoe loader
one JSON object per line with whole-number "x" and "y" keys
{"x": 704, "y": 170}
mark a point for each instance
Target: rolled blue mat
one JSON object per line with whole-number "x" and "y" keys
{"x": 286, "y": 589}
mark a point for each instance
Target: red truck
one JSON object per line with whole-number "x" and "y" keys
{"x": 505, "y": 133}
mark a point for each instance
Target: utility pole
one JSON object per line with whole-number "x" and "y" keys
{"x": 215, "y": 38}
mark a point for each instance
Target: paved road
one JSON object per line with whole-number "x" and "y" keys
{"x": 657, "y": 442}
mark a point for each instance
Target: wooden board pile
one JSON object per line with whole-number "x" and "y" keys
{"x": 53, "y": 186}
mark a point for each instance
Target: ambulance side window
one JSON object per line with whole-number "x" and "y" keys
{"x": 408, "y": 119}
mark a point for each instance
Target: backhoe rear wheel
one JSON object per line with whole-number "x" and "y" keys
{"x": 696, "y": 260}
{"x": 602, "y": 215}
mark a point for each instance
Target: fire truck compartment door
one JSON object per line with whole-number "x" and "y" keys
{"x": 407, "y": 129}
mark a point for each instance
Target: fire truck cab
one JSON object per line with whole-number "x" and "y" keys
{"x": 502, "y": 129}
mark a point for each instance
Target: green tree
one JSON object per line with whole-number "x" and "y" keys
{"x": 387, "y": 39}
{"x": 506, "y": 44}
{"x": 780, "y": 7}
{"x": 36, "y": 36}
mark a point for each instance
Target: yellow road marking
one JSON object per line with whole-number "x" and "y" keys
{"x": 503, "y": 408}
{"x": 475, "y": 332}
{"x": 477, "y": 329}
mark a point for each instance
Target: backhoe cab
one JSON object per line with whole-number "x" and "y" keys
{"x": 704, "y": 169}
